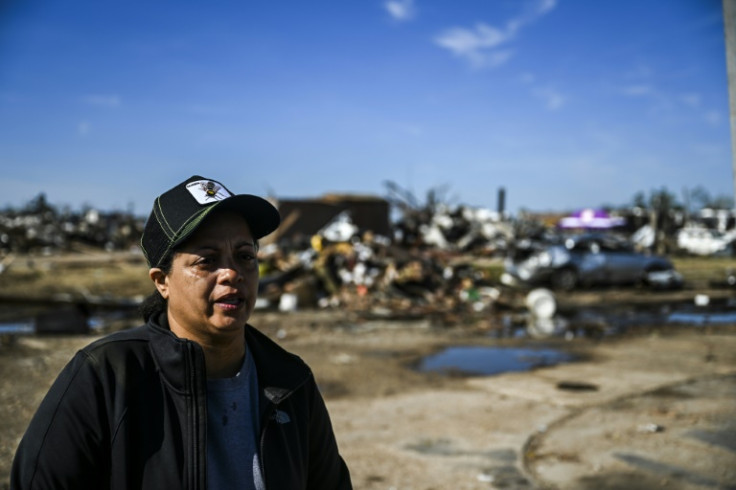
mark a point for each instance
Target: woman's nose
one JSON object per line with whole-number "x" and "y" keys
{"x": 231, "y": 272}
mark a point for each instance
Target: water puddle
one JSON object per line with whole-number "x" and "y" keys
{"x": 723, "y": 437}
{"x": 17, "y": 328}
{"x": 611, "y": 321}
{"x": 624, "y": 318}
{"x": 700, "y": 318}
{"x": 64, "y": 320}
{"x": 667, "y": 471}
{"x": 488, "y": 361}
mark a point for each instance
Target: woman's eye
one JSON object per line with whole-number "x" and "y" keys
{"x": 205, "y": 260}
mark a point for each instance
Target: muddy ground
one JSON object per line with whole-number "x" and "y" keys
{"x": 653, "y": 408}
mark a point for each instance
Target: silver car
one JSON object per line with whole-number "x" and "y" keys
{"x": 588, "y": 260}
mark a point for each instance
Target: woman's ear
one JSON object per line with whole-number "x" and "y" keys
{"x": 159, "y": 280}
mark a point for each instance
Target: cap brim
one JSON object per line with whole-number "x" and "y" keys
{"x": 262, "y": 217}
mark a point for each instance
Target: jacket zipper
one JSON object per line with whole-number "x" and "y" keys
{"x": 262, "y": 444}
{"x": 198, "y": 421}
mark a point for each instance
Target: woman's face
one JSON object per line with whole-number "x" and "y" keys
{"x": 212, "y": 285}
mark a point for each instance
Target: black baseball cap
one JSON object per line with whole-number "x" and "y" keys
{"x": 180, "y": 210}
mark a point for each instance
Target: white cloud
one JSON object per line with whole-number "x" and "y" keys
{"x": 546, "y": 6}
{"x": 497, "y": 58}
{"x": 640, "y": 71}
{"x": 102, "y": 100}
{"x": 411, "y": 129}
{"x": 637, "y": 90}
{"x": 713, "y": 118}
{"x": 480, "y": 45}
{"x": 691, "y": 100}
{"x": 83, "y": 128}
{"x": 209, "y": 109}
{"x": 532, "y": 12}
{"x": 694, "y": 101}
{"x": 527, "y": 78}
{"x": 553, "y": 100}
{"x": 11, "y": 97}
{"x": 712, "y": 152}
{"x": 461, "y": 40}
{"x": 663, "y": 103}
{"x": 401, "y": 10}
{"x": 476, "y": 45}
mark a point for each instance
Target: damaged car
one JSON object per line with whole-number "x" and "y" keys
{"x": 588, "y": 260}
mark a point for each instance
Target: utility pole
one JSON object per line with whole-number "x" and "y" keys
{"x": 729, "y": 25}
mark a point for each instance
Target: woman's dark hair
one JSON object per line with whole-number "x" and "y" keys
{"x": 155, "y": 304}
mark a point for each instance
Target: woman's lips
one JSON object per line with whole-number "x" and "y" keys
{"x": 229, "y": 303}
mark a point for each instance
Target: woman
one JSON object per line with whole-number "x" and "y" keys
{"x": 196, "y": 398}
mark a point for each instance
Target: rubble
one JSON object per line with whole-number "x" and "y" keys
{"x": 41, "y": 227}
{"x": 432, "y": 262}
{"x": 699, "y": 240}
{"x": 341, "y": 251}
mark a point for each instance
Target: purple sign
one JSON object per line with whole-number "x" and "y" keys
{"x": 591, "y": 218}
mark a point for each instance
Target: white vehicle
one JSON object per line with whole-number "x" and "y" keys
{"x": 698, "y": 240}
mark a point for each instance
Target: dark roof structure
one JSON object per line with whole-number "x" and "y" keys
{"x": 302, "y": 218}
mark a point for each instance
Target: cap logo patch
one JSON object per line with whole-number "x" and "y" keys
{"x": 207, "y": 191}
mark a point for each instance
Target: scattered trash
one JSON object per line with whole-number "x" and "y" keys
{"x": 577, "y": 386}
{"x": 447, "y": 263}
{"x": 39, "y": 226}
{"x": 262, "y": 303}
{"x": 699, "y": 240}
{"x": 547, "y": 327}
{"x": 342, "y": 358}
{"x": 287, "y": 302}
{"x": 702, "y": 300}
{"x": 485, "y": 478}
{"x": 650, "y": 428}
{"x": 541, "y": 303}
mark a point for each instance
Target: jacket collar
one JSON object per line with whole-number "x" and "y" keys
{"x": 178, "y": 359}
{"x": 279, "y": 371}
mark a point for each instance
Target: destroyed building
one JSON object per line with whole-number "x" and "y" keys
{"x": 301, "y": 219}
{"x": 42, "y": 227}
{"x": 360, "y": 252}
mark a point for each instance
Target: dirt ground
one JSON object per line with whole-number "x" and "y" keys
{"x": 650, "y": 409}
{"x": 654, "y": 410}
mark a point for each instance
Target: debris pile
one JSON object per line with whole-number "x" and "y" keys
{"x": 342, "y": 251}
{"x": 371, "y": 273}
{"x": 41, "y": 227}
{"x": 436, "y": 259}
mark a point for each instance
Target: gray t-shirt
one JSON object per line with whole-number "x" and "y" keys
{"x": 232, "y": 431}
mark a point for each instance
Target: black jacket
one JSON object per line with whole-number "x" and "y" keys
{"x": 130, "y": 411}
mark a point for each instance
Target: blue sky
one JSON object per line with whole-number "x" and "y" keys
{"x": 564, "y": 103}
